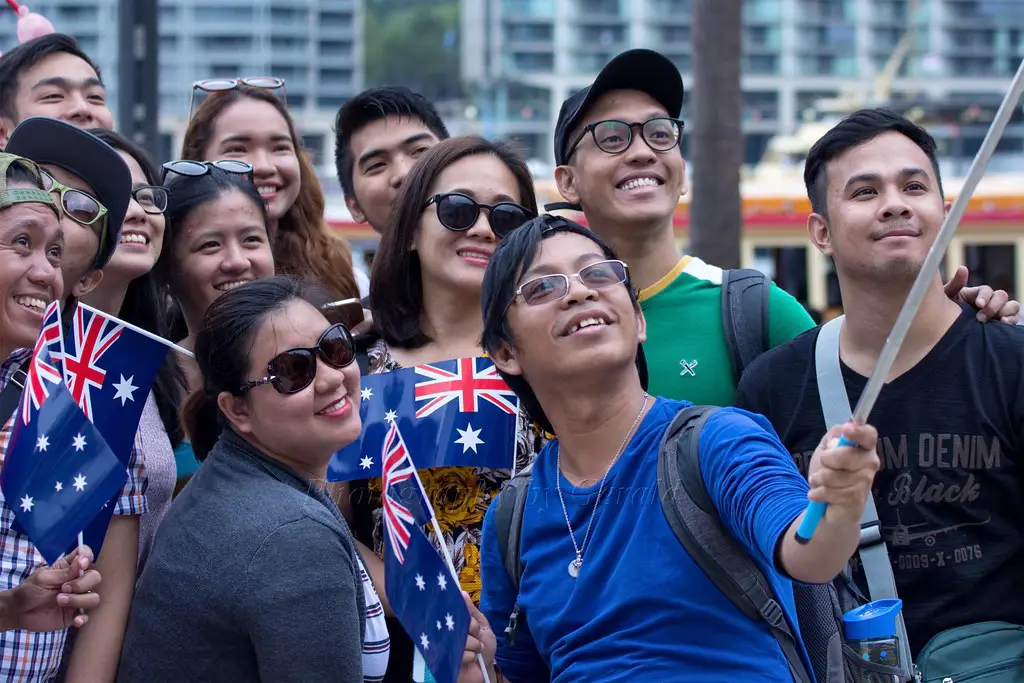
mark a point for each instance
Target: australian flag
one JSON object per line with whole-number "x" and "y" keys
{"x": 456, "y": 413}
{"x": 423, "y": 594}
{"x": 109, "y": 368}
{"x": 59, "y": 471}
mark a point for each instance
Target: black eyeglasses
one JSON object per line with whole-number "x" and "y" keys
{"x": 198, "y": 168}
{"x": 218, "y": 84}
{"x": 80, "y": 206}
{"x": 152, "y": 198}
{"x": 554, "y": 287}
{"x": 460, "y": 212}
{"x": 291, "y": 371}
{"x": 615, "y": 137}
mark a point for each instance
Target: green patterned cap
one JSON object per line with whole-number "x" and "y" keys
{"x": 20, "y": 195}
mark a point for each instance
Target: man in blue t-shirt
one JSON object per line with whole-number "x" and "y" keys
{"x": 608, "y": 591}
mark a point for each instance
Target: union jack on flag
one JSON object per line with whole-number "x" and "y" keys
{"x": 467, "y": 383}
{"x": 44, "y": 369}
{"x": 81, "y": 367}
{"x": 403, "y": 502}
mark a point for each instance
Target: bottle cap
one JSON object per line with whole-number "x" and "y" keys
{"x": 874, "y": 620}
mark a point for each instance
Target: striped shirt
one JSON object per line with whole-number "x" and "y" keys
{"x": 25, "y": 656}
{"x": 376, "y": 643}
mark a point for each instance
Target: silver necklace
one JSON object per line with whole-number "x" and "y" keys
{"x": 577, "y": 562}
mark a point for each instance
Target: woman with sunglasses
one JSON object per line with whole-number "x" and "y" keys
{"x": 249, "y": 121}
{"x": 254, "y": 575}
{"x": 216, "y": 239}
{"x": 456, "y": 204}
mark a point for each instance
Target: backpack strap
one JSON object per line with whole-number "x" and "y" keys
{"x": 508, "y": 521}
{"x": 835, "y": 408}
{"x": 10, "y": 397}
{"x": 694, "y": 520}
{"x": 745, "y": 294}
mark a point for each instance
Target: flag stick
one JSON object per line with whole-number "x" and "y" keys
{"x": 144, "y": 333}
{"x": 448, "y": 559}
{"x": 887, "y": 357}
{"x": 81, "y": 549}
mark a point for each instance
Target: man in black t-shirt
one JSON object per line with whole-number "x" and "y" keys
{"x": 950, "y": 494}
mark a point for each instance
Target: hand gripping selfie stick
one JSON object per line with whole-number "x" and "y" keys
{"x": 816, "y": 510}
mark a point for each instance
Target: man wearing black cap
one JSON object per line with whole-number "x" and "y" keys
{"x": 606, "y": 591}
{"x": 92, "y": 186}
{"x": 617, "y": 150}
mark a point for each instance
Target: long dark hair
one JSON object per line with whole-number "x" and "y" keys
{"x": 303, "y": 245}
{"x": 396, "y": 288}
{"x": 223, "y": 347}
{"x": 145, "y": 307}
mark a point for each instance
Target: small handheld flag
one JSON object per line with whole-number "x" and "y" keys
{"x": 422, "y": 589}
{"x": 59, "y": 472}
{"x": 456, "y": 413}
{"x": 110, "y": 367}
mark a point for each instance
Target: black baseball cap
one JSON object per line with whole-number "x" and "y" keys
{"x": 644, "y": 70}
{"x": 46, "y": 140}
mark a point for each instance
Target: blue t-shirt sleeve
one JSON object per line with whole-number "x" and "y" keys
{"x": 521, "y": 662}
{"x": 752, "y": 480}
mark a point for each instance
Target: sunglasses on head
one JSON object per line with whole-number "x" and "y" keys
{"x": 220, "y": 84}
{"x": 194, "y": 169}
{"x": 291, "y": 371}
{"x": 460, "y": 212}
{"x": 80, "y": 206}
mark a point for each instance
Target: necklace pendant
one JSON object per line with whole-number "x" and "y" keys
{"x": 574, "y": 566}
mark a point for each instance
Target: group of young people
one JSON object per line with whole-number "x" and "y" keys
{"x": 249, "y": 567}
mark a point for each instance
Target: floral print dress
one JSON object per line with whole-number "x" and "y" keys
{"x": 460, "y": 495}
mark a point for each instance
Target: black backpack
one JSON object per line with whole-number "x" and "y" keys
{"x": 695, "y": 522}
{"x": 745, "y": 294}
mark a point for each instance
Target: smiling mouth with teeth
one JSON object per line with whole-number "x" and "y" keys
{"x": 266, "y": 190}
{"x": 31, "y": 302}
{"x": 638, "y": 183}
{"x": 583, "y": 324}
{"x": 228, "y": 286}
{"x": 133, "y": 238}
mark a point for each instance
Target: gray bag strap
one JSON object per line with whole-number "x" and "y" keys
{"x": 836, "y": 409}
{"x": 691, "y": 514}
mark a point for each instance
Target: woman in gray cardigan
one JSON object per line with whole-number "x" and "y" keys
{"x": 253, "y": 575}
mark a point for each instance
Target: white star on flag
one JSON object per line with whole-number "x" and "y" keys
{"x": 58, "y": 487}
{"x": 80, "y": 482}
{"x": 79, "y": 443}
{"x": 449, "y": 622}
{"x": 366, "y": 462}
{"x": 390, "y": 416}
{"x": 42, "y": 443}
{"x": 27, "y": 503}
{"x": 420, "y": 583}
{"x": 438, "y": 625}
{"x": 125, "y": 389}
{"x": 442, "y": 582}
{"x": 366, "y": 393}
{"x": 469, "y": 438}
{"x": 424, "y": 641}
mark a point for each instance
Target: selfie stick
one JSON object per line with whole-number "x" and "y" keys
{"x": 816, "y": 510}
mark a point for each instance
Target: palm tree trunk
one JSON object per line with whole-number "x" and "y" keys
{"x": 717, "y": 146}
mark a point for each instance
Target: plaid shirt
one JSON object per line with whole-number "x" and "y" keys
{"x": 26, "y": 656}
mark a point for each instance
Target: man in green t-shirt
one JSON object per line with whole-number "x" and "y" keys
{"x": 617, "y": 151}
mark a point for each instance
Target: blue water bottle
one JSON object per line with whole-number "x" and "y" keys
{"x": 871, "y": 632}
